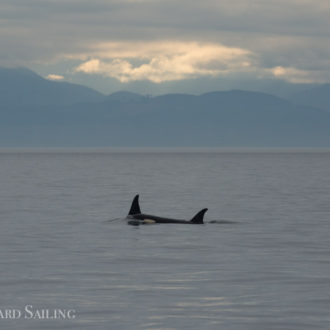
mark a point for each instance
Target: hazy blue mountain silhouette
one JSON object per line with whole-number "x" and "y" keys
{"x": 317, "y": 96}
{"x": 125, "y": 97}
{"x": 232, "y": 118}
{"x": 21, "y": 86}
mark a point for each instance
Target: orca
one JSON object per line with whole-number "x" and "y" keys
{"x": 136, "y": 217}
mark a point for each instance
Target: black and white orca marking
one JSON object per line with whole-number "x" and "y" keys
{"x": 136, "y": 217}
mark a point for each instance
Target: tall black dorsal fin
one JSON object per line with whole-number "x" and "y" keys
{"x": 135, "y": 207}
{"x": 198, "y": 218}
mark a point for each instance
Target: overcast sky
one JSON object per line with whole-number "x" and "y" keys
{"x": 151, "y": 45}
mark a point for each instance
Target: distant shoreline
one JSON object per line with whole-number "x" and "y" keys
{"x": 68, "y": 150}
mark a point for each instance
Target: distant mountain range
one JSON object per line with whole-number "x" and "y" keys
{"x": 318, "y": 97}
{"x": 22, "y": 87}
{"x": 38, "y": 112}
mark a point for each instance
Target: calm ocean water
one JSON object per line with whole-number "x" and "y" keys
{"x": 64, "y": 244}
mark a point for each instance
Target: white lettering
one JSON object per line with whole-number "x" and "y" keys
{"x": 39, "y": 314}
{"x": 28, "y": 312}
{"x": 71, "y": 314}
{"x": 10, "y": 313}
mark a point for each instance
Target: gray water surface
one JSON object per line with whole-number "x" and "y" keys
{"x": 65, "y": 245}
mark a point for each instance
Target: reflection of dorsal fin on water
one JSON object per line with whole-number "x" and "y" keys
{"x": 135, "y": 207}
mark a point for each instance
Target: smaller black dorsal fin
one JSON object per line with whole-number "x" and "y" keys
{"x": 198, "y": 218}
{"x": 135, "y": 207}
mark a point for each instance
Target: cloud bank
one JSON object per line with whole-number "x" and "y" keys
{"x": 165, "y": 61}
{"x": 55, "y": 77}
{"x": 168, "y": 40}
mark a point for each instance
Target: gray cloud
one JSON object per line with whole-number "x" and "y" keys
{"x": 291, "y": 34}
